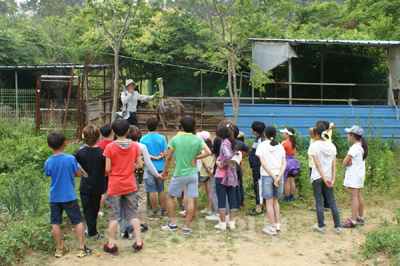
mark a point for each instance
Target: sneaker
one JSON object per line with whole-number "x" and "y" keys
{"x": 338, "y": 230}
{"x": 278, "y": 226}
{"x": 255, "y": 213}
{"x": 112, "y": 251}
{"x": 220, "y": 225}
{"x": 360, "y": 221}
{"x": 86, "y": 233}
{"x": 164, "y": 215}
{"x": 349, "y": 224}
{"x": 131, "y": 236}
{"x": 213, "y": 217}
{"x": 61, "y": 252}
{"x": 319, "y": 229}
{"x": 206, "y": 211}
{"x": 101, "y": 214}
{"x": 143, "y": 227}
{"x": 136, "y": 247}
{"x": 168, "y": 227}
{"x": 231, "y": 224}
{"x": 269, "y": 230}
{"x": 153, "y": 216}
{"x": 84, "y": 252}
{"x": 327, "y": 209}
{"x": 186, "y": 231}
{"x": 96, "y": 237}
{"x": 313, "y": 209}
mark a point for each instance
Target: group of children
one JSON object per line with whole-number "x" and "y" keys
{"x": 126, "y": 170}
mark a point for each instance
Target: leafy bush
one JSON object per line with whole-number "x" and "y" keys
{"x": 386, "y": 240}
{"x": 23, "y": 235}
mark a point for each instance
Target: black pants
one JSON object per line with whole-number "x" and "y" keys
{"x": 91, "y": 206}
{"x": 132, "y": 120}
{"x": 256, "y": 182}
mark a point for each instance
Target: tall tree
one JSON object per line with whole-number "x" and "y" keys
{"x": 115, "y": 19}
{"x": 231, "y": 23}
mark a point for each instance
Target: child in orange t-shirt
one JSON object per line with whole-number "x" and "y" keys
{"x": 122, "y": 183}
{"x": 293, "y": 165}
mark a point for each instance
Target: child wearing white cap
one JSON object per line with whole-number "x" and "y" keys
{"x": 293, "y": 166}
{"x": 206, "y": 170}
{"x": 355, "y": 174}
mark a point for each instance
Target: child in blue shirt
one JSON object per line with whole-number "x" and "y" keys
{"x": 157, "y": 147}
{"x": 63, "y": 168}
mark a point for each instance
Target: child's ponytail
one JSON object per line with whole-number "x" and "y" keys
{"x": 292, "y": 137}
{"x": 363, "y": 144}
{"x": 270, "y": 133}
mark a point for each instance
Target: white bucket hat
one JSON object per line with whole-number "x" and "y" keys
{"x": 129, "y": 81}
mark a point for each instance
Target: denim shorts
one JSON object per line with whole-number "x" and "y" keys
{"x": 153, "y": 184}
{"x": 203, "y": 179}
{"x": 178, "y": 183}
{"x": 71, "y": 208}
{"x": 269, "y": 190}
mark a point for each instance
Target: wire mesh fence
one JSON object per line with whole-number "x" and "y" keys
{"x": 17, "y": 107}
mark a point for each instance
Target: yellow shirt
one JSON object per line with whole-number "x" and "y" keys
{"x": 310, "y": 159}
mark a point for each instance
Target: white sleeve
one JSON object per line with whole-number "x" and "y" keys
{"x": 126, "y": 98}
{"x": 147, "y": 162}
{"x": 259, "y": 150}
{"x": 144, "y": 97}
{"x": 352, "y": 151}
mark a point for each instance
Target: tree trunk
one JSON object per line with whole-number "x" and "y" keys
{"x": 116, "y": 78}
{"x": 236, "y": 98}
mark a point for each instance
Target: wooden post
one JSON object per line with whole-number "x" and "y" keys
{"x": 38, "y": 86}
{"x": 69, "y": 94}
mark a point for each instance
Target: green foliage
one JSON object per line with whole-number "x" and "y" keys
{"x": 385, "y": 240}
{"x": 20, "y": 236}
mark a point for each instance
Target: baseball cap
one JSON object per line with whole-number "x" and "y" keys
{"x": 355, "y": 130}
{"x": 204, "y": 135}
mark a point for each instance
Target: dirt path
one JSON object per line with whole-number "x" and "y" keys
{"x": 297, "y": 244}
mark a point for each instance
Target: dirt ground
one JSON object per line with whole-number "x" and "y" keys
{"x": 297, "y": 243}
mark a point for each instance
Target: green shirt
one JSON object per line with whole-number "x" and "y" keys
{"x": 186, "y": 146}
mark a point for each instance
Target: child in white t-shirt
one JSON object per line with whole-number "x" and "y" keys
{"x": 323, "y": 176}
{"x": 273, "y": 165}
{"x": 355, "y": 174}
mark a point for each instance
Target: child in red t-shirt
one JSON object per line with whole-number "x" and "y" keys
{"x": 122, "y": 183}
{"x": 107, "y": 135}
{"x": 292, "y": 166}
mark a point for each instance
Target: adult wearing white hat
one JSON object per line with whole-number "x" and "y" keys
{"x": 130, "y": 97}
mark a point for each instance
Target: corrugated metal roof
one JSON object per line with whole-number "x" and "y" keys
{"x": 382, "y": 119}
{"x": 341, "y": 42}
{"x": 52, "y": 67}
